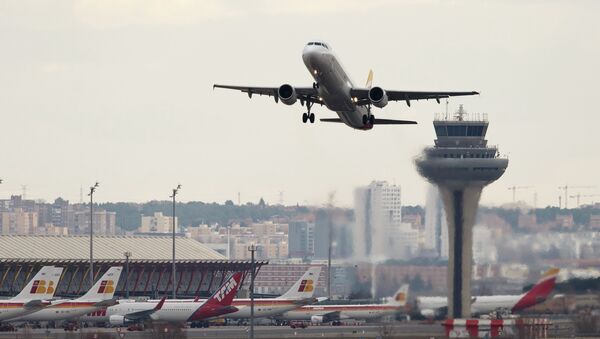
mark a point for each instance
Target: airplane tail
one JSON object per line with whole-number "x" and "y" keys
{"x": 104, "y": 288}
{"x": 400, "y": 297}
{"x": 539, "y": 292}
{"x": 369, "y": 83}
{"x": 220, "y": 302}
{"x": 42, "y": 286}
{"x": 305, "y": 286}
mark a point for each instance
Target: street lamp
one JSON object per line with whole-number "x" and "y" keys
{"x": 173, "y": 275}
{"x": 91, "y": 194}
{"x": 127, "y": 255}
{"x": 252, "y": 249}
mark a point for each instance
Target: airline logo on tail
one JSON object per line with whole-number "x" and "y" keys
{"x": 107, "y": 286}
{"x": 400, "y": 297}
{"x": 42, "y": 287}
{"x": 306, "y": 285}
{"x": 229, "y": 286}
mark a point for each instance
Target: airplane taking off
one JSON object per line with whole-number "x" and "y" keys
{"x": 100, "y": 295}
{"x": 333, "y": 88}
{"x": 433, "y": 307}
{"x": 335, "y": 313}
{"x": 34, "y": 296}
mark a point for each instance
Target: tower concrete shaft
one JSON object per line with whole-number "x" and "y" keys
{"x": 461, "y": 208}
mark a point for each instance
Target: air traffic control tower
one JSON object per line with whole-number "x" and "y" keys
{"x": 461, "y": 163}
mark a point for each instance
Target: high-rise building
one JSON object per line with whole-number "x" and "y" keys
{"x": 378, "y": 216}
{"x": 436, "y": 229}
{"x": 301, "y": 239}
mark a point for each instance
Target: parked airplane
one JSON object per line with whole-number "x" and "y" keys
{"x": 333, "y": 88}
{"x": 178, "y": 311}
{"x": 34, "y": 296}
{"x": 301, "y": 293}
{"x": 100, "y": 295}
{"x": 335, "y": 313}
{"x": 435, "y": 307}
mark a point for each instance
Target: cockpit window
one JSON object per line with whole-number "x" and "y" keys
{"x": 317, "y": 44}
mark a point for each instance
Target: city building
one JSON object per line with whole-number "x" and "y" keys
{"x": 157, "y": 223}
{"x": 378, "y": 215}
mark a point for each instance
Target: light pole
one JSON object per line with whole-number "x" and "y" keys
{"x": 91, "y": 194}
{"x": 127, "y": 255}
{"x": 252, "y": 249}
{"x": 173, "y": 275}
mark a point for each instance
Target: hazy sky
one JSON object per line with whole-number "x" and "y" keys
{"x": 121, "y": 92}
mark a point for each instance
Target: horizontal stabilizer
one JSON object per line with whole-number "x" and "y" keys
{"x": 393, "y": 122}
{"x": 378, "y": 121}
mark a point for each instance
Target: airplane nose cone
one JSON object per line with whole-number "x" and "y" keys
{"x": 309, "y": 56}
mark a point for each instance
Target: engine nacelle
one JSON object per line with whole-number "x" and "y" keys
{"x": 317, "y": 319}
{"x": 378, "y": 97}
{"x": 287, "y": 94}
{"x": 118, "y": 320}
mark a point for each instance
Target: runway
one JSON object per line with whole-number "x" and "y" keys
{"x": 395, "y": 330}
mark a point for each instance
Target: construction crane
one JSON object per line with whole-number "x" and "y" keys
{"x": 579, "y": 196}
{"x": 514, "y": 191}
{"x": 566, "y": 189}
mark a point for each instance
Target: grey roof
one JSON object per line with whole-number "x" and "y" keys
{"x": 105, "y": 247}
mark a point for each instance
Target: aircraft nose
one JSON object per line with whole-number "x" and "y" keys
{"x": 309, "y": 56}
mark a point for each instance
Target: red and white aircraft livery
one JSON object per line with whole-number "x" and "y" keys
{"x": 301, "y": 293}
{"x": 178, "y": 311}
{"x": 433, "y": 307}
{"x": 97, "y": 297}
{"x": 329, "y": 313}
{"x": 333, "y": 88}
{"x": 34, "y": 296}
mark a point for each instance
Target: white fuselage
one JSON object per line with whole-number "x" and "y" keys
{"x": 334, "y": 85}
{"x": 13, "y": 309}
{"x": 481, "y": 305}
{"x": 60, "y": 310}
{"x": 176, "y": 312}
{"x": 358, "y": 312}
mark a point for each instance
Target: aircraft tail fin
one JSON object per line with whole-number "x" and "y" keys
{"x": 105, "y": 287}
{"x": 220, "y": 302}
{"x": 369, "y": 83}
{"x": 539, "y": 292}
{"x": 400, "y": 297}
{"x": 305, "y": 286}
{"x": 42, "y": 286}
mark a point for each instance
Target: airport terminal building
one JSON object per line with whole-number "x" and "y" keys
{"x": 199, "y": 269}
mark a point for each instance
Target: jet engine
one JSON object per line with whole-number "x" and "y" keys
{"x": 118, "y": 320}
{"x": 287, "y": 94}
{"x": 378, "y": 97}
{"x": 317, "y": 319}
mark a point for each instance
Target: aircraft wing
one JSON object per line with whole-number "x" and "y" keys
{"x": 304, "y": 93}
{"x": 362, "y": 95}
{"x": 139, "y": 315}
{"x": 35, "y": 304}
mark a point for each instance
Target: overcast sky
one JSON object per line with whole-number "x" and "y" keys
{"x": 121, "y": 92}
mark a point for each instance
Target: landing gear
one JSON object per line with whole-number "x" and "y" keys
{"x": 368, "y": 118}
{"x": 308, "y": 116}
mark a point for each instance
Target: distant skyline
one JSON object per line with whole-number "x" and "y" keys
{"x": 121, "y": 92}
